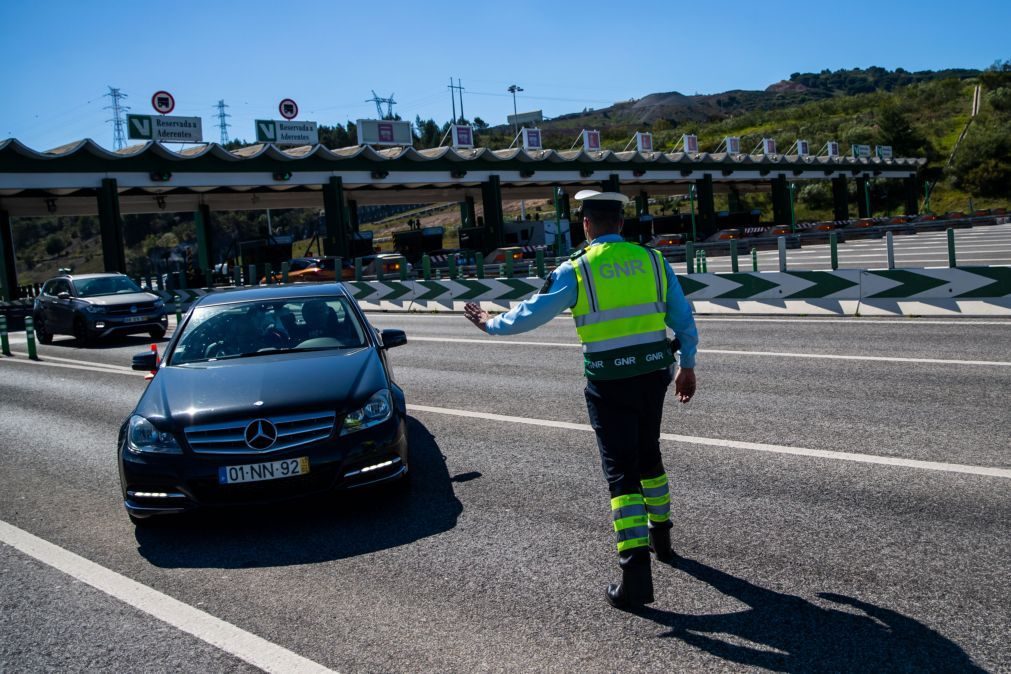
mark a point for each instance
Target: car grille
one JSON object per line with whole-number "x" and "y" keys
{"x": 293, "y": 430}
{"x": 124, "y": 309}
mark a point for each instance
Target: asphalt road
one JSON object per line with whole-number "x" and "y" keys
{"x": 986, "y": 245}
{"x": 497, "y": 557}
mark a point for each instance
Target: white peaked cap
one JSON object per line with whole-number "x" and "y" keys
{"x": 594, "y": 195}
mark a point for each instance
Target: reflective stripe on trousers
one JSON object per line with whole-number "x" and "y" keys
{"x": 630, "y": 521}
{"x": 656, "y": 496}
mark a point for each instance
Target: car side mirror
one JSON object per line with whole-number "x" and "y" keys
{"x": 63, "y": 296}
{"x": 392, "y": 338}
{"x": 146, "y": 361}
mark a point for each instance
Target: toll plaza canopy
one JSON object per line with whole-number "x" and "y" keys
{"x": 151, "y": 177}
{"x": 83, "y": 178}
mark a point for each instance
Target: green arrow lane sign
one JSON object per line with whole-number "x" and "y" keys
{"x": 825, "y": 284}
{"x": 690, "y": 285}
{"x": 139, "y": 127}
{"x": 475, "y": 289}
{"x": 910, "y": 283}
{"x": 164, "y": 128}
{"x": 399, "y": 290}
{"x": 435, "y": 289}
{"x": 520, "y": 289}
{"x": 1001, "y": 286}
{"x": 266, "y": 131}
{"x": 750, "y": 285}
{"x": 363, "y": 289}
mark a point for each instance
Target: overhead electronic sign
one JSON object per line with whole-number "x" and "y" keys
{"x": 384, "y": 132}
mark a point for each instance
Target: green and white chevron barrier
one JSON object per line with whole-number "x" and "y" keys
{"x": 958, "y": 291}
{"x": 443, "y": 295}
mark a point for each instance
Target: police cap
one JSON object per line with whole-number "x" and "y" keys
{"x": 605, "y": 205}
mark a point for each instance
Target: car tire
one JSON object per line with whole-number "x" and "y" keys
{"x": 156, "y": 333}
{"x": 81, "y": 332}
{"x": 42, "y": 332}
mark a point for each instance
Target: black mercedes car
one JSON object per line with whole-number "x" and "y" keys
{"x": 264, "y": 394}
{"x": 89, "y": 306}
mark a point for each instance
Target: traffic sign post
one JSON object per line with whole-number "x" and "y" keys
{"x": 288, "y": 109}
{"x": 163, "y": 102}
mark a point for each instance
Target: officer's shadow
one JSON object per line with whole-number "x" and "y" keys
{"x": 786, "y": 633}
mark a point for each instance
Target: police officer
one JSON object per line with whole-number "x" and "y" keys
{"x": 622, "y": 296}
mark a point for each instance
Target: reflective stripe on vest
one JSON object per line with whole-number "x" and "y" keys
{"x": 620, "y": 308}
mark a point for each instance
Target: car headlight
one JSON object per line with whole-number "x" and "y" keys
{"x": 377, "y": 410}
{"x": 92, "y": 308}
{"x": 143, "y": 438}
{"x": 158, "y": 304}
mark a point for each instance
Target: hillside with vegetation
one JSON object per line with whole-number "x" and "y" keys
{"x": 921, "y": 114}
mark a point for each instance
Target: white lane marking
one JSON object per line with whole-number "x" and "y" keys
{"x": 779, "y": 354}
{"x": 75, "y": 365}
{"x": 735, "y": 444}
{"x": 853, "y": 320}
{"x": 74, "y": 360}
{"x": 233, "y": 640}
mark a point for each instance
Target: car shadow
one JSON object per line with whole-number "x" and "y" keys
{"x": 314, "y": 530}
{"x": 141, "y": 342}
{"x": 786, "y": 633}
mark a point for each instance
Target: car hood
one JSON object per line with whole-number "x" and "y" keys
{"x": 116, "y": 300}
{"x": 200, "y": 393}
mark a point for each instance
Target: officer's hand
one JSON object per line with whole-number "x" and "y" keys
{"x": 476, "y": 315}
{"x": 684, "y": 384}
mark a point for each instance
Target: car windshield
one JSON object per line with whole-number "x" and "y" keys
{"x": 248, "y": 329}
{"x": 105, "y": 285}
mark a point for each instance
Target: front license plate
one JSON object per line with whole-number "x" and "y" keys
{"x": 257, "y": 472}
{"x": 135, "y": 319}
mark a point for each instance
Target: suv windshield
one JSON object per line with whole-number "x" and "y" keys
{"x": 105, "y": 285}
{"x": 248, "y": 329}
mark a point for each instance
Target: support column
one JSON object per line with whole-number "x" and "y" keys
{"x": 733, "y": 199}
{"x": 470, "y": 212}
{"x": 642, "y": 204}
{"x": 863, "y": 208}
{"x": 706, "y": 222}
{"x": 353, "y": 215}
{"x": 491, "y": 199}
{"x": 336, "y": 242}
{"x": 612, "y": 184}
{"x": 912, "y": 190}
{"x": 780, "y": 200}
{"x": 8, "y": 265}
{"x": 840, "y": 199}
{"x": 566, "y": 206}
{"x": 205, "y": 242}
{"x": 111, "y": 224}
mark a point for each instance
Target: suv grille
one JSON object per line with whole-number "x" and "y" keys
{"x": 293, "y": 430}
{"x": 123, "y": 309}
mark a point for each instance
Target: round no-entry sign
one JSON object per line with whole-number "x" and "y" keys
{"x": 163, "y": 102}
{"x": 288, "y": 109}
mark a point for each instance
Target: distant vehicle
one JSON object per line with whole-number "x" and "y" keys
{"x": 314, "y": 270}
{"x": 264, "y": 394}
{"x": 91, "y": 306}
{"x": 661, "y": 240}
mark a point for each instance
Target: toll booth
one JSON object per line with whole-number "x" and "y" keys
{"x": 639, "y": 230}
{"x": 272, "y": 250}
{"x": 413, "y": 243}
{"x": 476, "y": 239}
{"x": 361, "y": 244}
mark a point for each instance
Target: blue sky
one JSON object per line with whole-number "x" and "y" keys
{"x": 57, "y": 57}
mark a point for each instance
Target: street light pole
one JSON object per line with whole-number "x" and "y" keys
{"x": 513, "y": 89}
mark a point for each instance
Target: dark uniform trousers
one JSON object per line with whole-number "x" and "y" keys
{"x": 625, "y": 415}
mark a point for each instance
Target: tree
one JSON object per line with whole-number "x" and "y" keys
{"x": 55, "y": 245}
{"x": 895, "y": 130}
{"x": 982, "y": 165}
{"x": 480, "y": 124}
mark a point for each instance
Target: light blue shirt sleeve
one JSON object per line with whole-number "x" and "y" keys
{"x": 541, "y": 307}
{"x": 679, "y": 319}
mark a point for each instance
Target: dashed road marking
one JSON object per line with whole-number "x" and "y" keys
{"x": 225, "y": 636}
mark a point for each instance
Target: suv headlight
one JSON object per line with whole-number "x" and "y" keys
{"x": 143, "y": 438}
{"x": 377, "y": 410}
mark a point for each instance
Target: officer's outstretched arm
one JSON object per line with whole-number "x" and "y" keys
{"x": 558, "y": 294}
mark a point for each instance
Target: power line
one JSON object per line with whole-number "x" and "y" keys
{"x": 223, "y": 121}
{"x": 118, "y": 139}
{"x": 453, "y": 88}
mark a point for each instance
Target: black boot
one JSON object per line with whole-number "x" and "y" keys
{"x": 635, "y": 588}
{"x": 659, "y": 543}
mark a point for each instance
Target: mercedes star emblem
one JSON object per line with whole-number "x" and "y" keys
{"x": 260, "y": 434}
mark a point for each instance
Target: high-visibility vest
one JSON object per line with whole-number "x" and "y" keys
{"x": 620, "y": 309}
